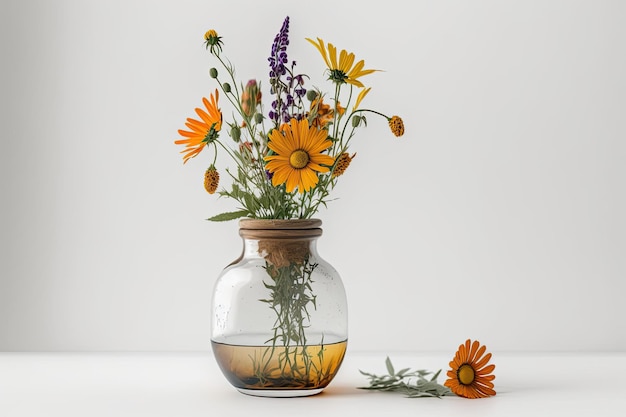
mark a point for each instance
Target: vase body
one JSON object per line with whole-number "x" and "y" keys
{"x": 279, "y": 312}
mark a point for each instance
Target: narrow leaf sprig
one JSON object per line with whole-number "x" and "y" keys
{"x": 414, "y": 384}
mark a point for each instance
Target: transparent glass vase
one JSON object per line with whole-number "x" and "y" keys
{"x": 279, "y": 312}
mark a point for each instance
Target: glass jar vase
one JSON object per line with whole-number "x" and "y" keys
{"x": 279, "y": 312}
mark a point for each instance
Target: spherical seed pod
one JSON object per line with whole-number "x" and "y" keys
{"x": 311, "y": 95}
{"x": 235, "y": 133}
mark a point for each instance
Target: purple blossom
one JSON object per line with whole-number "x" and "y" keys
{"x": 278, "y": 57}
{"x": 290, "y": 90}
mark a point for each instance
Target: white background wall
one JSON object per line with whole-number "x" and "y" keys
{"x": 498, "y": 216}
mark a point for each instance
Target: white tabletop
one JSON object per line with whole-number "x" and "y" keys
{"x": 190, "y": 384}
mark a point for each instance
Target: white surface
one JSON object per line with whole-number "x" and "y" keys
{"x": 503, "y": 203}
{"x": 179, "y": 384}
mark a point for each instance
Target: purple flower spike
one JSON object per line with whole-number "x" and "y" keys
{"x": 278, "y": 58}
{"x": 285, "y": 106}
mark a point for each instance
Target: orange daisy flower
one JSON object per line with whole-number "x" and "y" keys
{"x": 470, "y": 376}
{"x": 202, "y": 131}
{"x": 298, "y": 155}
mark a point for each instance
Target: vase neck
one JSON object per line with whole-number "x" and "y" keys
{"x": 280, "y": 229}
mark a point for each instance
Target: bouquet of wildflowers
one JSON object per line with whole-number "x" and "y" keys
{"x": 287, "y": 157}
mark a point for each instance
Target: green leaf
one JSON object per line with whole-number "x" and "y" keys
{"x": 434, "y": 378}
{"x": 229, "y": 216}
{"x": 389, "y": 366}
{"x": 403, "y": 371}
{"x": 411, "y": 384}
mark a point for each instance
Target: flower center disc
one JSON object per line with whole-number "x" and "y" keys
{"x": 299, "y": 159}
{"x": 466, "y": 374}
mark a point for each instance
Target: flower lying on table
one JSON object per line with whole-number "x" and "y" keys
{"x": 469, "y": 376}
{"x": 287, "y": 158}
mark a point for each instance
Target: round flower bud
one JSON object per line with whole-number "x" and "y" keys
{"x": 258, "y": 118}
{"x": 235, "y": 133}
{"x": 213, "y": 72}
{"x": 311, "y": 95}
{"x": 226, "y": 87}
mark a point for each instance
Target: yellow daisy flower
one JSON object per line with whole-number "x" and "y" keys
{"x": 298, "y": 155}
{"x": 202, "y": 131}
{"x": 470, "y": 376}
{"x": 342, "y": 70}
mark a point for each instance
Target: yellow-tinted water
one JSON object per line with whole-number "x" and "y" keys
{"x": 263, "y": 367}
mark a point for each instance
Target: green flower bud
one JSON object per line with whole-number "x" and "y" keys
{"x": 356, "y": 120}
{"x": 311, "y": 95}
{"x": 258, "y": 118}
{"x": 226, "y": 87}
{"x": 235, "y": 133}
{"x": 213, "y": 72}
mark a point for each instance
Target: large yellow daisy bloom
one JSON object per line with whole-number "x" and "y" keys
{"x": 470, "y": 376}
{"x": 342, "y": 70}
{"x": 202, "y": 131}
{"x": 298, "y": 155}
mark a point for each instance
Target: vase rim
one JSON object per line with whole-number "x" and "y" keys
{"x": 280, "y": 224}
